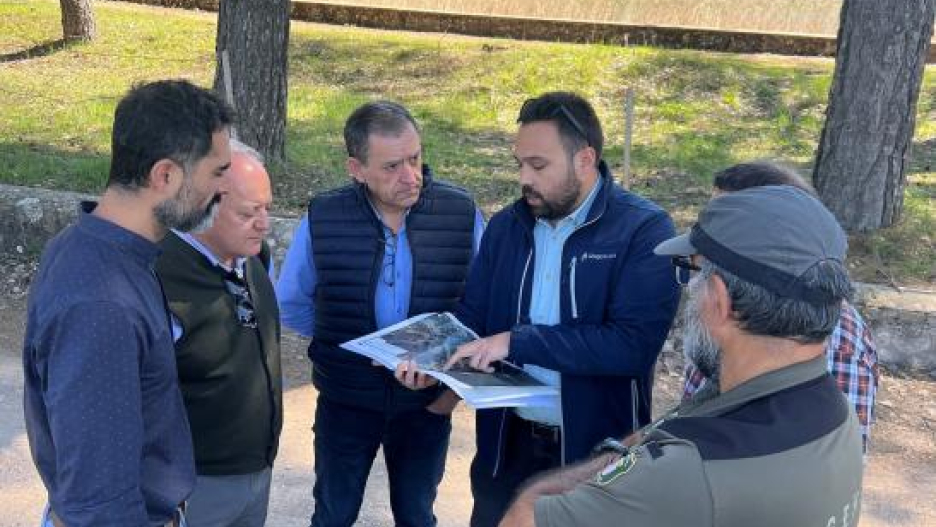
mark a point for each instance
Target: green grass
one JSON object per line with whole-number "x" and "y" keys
{"x": 696, "y": 112}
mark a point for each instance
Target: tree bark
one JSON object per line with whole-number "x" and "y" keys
{"x": 255, "y": 34}
{"x": 77, "y": 20}
{"x": 864, "y": 149}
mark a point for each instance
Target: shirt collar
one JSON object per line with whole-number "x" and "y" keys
{"x": 387, "y": 230}
{"x": 206, "y": 252}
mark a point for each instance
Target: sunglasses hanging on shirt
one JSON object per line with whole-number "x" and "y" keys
{"x": 243, "y": 306}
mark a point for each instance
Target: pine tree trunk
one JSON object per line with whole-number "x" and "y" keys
{"x": 255, "y": 34}
{"x": 77, "y": 20}
{"x": 864, "y": 150}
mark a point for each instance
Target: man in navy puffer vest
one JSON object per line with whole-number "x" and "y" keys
{"x": 393, "y": 244}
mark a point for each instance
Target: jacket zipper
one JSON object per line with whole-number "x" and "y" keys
{"x": 635, "y": 394}
{"x": 572, "y": 288}
{"x": 562, "y": 436}
{"x": 526, "y": 269}
{"x": 500, "y": 432}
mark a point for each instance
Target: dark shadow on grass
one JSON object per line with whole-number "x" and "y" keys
{"x": 389, "y": 65}
{"x": 37, "y": 51}
{"x": 34, "y": 164}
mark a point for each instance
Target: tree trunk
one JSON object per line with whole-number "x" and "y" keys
{"x": 255, "y": 34}
{"x": 864, "y": 150}
{"x": 77, "y": 20}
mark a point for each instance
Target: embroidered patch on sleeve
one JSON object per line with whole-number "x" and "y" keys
{"x": 617, "y": 469}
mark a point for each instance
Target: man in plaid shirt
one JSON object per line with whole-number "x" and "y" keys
{"x": 851, "y": 352}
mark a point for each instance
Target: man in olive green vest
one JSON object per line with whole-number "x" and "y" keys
{"x": 225, "y": 323}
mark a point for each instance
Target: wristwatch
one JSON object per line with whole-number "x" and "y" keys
{"x": 610, "y": 444}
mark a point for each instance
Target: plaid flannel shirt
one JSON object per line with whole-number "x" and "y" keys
{"x": 853, "y": 363}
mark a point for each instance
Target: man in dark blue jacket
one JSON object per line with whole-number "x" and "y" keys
{"x": 565, "y": 284}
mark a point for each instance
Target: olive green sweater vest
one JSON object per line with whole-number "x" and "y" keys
{"x": 229, "y": 374}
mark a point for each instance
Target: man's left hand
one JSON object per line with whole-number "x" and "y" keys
{"x": 409, "y": 375}
{"x": 482, "y": 352}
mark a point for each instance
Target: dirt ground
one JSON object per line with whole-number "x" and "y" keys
{"x": 900, "y": 477}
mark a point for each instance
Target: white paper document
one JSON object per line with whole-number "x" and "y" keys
{"x": 429, "y": 340}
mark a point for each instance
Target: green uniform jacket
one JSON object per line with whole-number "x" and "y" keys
{"x": 781, "y": 450}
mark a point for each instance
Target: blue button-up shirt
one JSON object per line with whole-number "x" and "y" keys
{"x": 106, "y": 424}
{"x": 549, "y": 239}
{"x": 295, "y": 288}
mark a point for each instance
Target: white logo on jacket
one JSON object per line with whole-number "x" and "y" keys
{"x": 598, "y": 256}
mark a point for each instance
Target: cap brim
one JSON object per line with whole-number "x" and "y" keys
{"x": 678, "y": 246}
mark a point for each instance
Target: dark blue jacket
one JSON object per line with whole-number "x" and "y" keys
{"x": 617, "y": 302}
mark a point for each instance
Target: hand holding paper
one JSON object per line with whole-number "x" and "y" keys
{"x": 418, "y": 348}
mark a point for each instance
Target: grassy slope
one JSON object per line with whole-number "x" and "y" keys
{"x": 696, "y": 112}
{"x": 792, "y": 16}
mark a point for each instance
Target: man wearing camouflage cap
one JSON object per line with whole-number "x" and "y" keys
{"x": 779, "y": 445}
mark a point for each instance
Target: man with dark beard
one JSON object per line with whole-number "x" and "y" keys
{"x": 565, "y": 285}
{"x": 104, "y": 416}
{"x": 778, "y": 445}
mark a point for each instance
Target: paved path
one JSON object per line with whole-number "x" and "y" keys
{"x": 900, "y": 480}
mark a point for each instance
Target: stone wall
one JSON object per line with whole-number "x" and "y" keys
{"x": 548, "y": 30}
{"x": 29, "y": 217}
{"x": 904, "y": 323}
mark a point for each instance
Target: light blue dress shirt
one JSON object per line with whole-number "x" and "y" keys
{"x": 549, "y": 240}
{"x": 295, "y": 289}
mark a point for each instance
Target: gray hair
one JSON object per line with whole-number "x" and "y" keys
{"x": 762, "y": 312}
{"x": 238, "y": 147}
{"x": 378, "y": 117}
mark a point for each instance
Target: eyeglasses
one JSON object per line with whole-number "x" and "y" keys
{"x": 557, "y": 109}
{"x": 243, "y": 306}
{"x": 388, "y": 274}
{"x": 684, "y": 268}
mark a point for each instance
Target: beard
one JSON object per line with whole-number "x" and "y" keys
{"x": 699, "y": 347}
{"x": 556, "y": 209}
{"x": 178, "y": 213}
{"x": 208, "y": 216}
